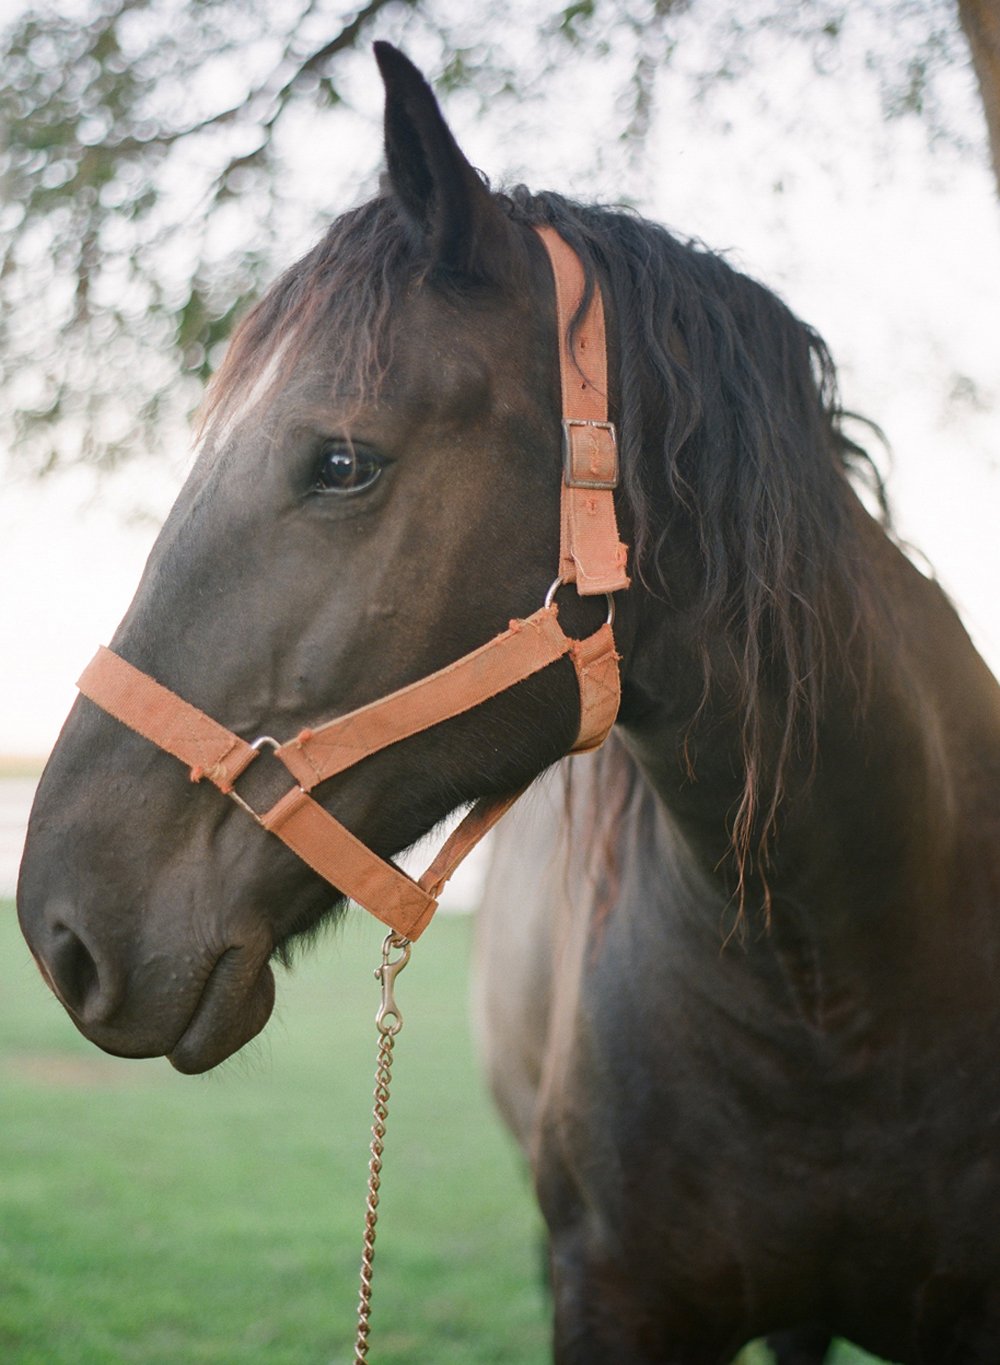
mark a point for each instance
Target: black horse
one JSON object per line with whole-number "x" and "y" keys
{"x": 747, "y": 1028}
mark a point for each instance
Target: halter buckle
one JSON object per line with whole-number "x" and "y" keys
{"x": 590, "y": 454}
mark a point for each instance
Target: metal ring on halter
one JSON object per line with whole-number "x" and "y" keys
{"x": 234, "y": 795}
{"x": 558, "y": 583}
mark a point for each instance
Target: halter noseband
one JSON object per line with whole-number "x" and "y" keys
{"x": 590, "y": 557}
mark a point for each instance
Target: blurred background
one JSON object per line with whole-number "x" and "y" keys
{"x": 163, "y": 160}
{"x": 160, "y": 161}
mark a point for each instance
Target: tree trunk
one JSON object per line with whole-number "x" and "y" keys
{"x": 981, "y": 22}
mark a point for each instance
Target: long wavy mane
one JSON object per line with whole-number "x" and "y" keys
{"x": 752, "y": 448}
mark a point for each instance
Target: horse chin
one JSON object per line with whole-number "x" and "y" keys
{"x": 230, "y": 1011}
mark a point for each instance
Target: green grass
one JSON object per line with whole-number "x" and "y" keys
{"x": 153, "y": 1218}
{"x": 150, "y": 1217}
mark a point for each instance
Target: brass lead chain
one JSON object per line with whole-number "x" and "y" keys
{"x": 388, "y": 1021}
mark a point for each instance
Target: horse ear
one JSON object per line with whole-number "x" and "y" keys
{"x": 438, "y": 189}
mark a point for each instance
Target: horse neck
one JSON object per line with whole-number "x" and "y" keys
{"x": 899, "y": 796}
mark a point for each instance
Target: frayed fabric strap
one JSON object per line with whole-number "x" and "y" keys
{"x": 590, "y": 552}
{"x": 596, "y": 664}
{"x": 345, "y": 862}
{"x": 159, "y": 715}
{"x": 325, "y": 750}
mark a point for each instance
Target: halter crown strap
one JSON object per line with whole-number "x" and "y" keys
{"x": 591, "y": 557}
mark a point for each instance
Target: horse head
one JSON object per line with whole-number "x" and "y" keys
{"x": 376, "y": 495}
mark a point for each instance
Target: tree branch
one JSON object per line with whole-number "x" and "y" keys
{"x": 981, "y": 22}
{"x": 346, "y": 38}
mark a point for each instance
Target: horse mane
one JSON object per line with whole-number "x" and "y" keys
{"x": 753, "y": 451}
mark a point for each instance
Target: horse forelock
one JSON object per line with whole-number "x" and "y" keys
{"x": 347, "y": 287}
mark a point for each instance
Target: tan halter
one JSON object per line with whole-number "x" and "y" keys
{"x": 590, "y": 556}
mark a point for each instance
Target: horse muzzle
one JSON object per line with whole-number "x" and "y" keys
{"x": 135, "y": 997}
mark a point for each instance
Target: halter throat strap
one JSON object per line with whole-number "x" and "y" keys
{"x": 591, "y": 557}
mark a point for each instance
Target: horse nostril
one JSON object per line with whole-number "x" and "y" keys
{"x": 73, "y": 970}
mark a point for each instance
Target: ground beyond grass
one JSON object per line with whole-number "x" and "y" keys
{"x": 154, "y": 1218}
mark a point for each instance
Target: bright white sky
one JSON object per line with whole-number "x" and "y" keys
{"x": 892, "y": 252}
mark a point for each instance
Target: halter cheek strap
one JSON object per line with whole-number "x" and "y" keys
{"x": 591, "y": 557}
{"x": 590, "y": 553}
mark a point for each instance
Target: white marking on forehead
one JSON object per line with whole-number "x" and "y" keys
{"x": 253, "y": 393}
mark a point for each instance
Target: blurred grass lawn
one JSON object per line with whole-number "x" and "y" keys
{"x": 150, "y": 1217}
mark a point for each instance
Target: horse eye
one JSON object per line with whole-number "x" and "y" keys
{"x": 342, "y": 469}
